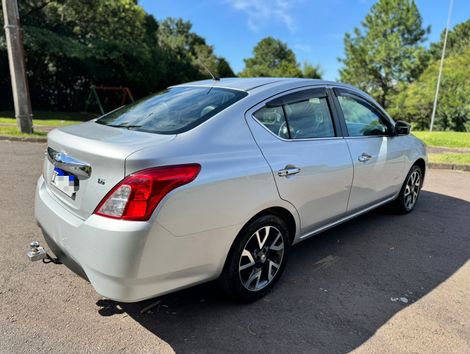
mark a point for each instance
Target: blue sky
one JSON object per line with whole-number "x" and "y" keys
{"x": 314, "y": 29}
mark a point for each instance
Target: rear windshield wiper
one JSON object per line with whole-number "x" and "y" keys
{"x": 128, "y": 126}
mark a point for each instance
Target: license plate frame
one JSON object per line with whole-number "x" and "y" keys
{"x": 65, "y": 182}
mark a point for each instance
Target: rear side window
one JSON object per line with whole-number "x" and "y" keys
{"x": 273, "y": 118}
{"x": 306, "y": 118}
{"x": 174, "y": 110}
{"x": 310, "y": 119}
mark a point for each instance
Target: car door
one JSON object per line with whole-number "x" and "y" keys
{"x": 377, "y": 154}
{"x": 302, "y": 141}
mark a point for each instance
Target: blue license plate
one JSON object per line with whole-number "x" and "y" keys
{"x": 65, "y": 182}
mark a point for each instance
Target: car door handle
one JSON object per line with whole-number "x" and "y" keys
{"x": 288, "y": 171}
{"x": 364, "y": 157}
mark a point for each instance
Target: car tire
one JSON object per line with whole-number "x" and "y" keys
{"x": 256, "y": 259}
{"x": 409, "y": 193}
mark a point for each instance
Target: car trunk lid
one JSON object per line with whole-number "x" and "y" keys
{"x": 84, "y": 162}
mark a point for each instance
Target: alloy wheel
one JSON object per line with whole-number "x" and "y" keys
{"x": 261, "y": 258}
{"x": 412, "y": 189}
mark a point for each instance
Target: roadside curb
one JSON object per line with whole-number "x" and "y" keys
{"x": 448, "y": 166}
{"x": 24, "y": 139}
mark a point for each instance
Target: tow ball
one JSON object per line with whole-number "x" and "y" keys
{"x": 38, "y": 253}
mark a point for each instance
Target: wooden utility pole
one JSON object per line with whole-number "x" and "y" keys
{"x": 19, "y": 81}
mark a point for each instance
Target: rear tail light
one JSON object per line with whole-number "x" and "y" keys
{"x": 137, "y": 196}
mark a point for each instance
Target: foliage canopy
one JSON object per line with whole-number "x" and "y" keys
{"x": 73, "y": 44}
{"x": 414, "y": 104}
{"x": 387, "y": 51}
{"x": 273, "y": 58}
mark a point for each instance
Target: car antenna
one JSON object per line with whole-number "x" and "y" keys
{"x": 215, "y": 78}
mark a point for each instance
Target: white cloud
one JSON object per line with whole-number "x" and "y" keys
{"x": 303, "y": 47}
{"x": 261, "y": 11}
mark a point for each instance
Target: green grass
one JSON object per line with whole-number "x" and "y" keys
{"x": 39, "y": 122}
{"x": 13, "y": 131}
{"x": 445, "y": 139}
{"x": 452, "y": 158}
{"x": 46, "y": 115}
{"x": 42, "y": 120}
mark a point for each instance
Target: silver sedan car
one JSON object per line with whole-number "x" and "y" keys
{"x": 216, "y": 180}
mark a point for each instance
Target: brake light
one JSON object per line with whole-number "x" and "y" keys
{"x": 137, "y": 196}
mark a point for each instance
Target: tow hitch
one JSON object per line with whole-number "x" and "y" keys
{"x": 37, "y": 253}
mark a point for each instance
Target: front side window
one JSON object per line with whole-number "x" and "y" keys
{"x": 305, "y": 119}
{"x": 174, "y": 110}
{"x": 361, "y": 120}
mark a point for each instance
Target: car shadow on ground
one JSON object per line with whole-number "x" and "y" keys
{"x": 335, "y": 294}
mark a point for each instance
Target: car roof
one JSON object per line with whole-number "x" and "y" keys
{"x": 250, "y": 83}
{"x": 262, "y": 84}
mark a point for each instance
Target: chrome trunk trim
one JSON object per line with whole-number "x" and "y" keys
{"x": 68, "y": 163}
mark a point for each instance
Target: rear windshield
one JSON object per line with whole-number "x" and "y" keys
{"x": 172, "y": 111}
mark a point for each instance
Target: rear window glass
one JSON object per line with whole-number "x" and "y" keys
{"x": 172, "y": 111}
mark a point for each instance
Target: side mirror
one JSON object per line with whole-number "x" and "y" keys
{"x": 402, "y": 128}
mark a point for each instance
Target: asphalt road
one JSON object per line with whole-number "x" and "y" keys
{"x": 340, "y": 291}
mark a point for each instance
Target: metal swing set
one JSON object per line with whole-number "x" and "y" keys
{"x": 126, "y": 95}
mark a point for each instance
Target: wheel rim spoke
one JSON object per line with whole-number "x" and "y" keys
{"x": 407, "y": 190}
{"x": 261, "y": 239}
{"x": 251, "y": 263}
{"x": 418, "y": 182}
{"x": 272, "y": 266}
{"x": 278, "y": 239}
{"x": 408, "y": 201}
{"x": 255, "y": 275}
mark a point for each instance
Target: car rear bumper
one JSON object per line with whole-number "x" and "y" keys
{"x": 129, "y": 261}
{"x": 63, "y": 257}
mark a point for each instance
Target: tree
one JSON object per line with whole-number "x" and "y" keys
{"x": 415, "y": 103}
{"x": 387, "y": 51}
{"x": 195, "y": 56}
{"x": 72, "y": 44}
{"x": 457, "y": 40}
{"x": 310, "y": 71}
{"x": 223, "y": 68}
{"x": 273, "y": 58}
